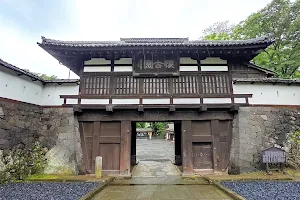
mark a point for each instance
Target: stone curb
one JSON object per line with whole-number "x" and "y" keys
{"x": 251, "y": 179}
{"x": 226, "y": 190}
{"x": 98, "y": 189}
{"x": 229, "y": 192}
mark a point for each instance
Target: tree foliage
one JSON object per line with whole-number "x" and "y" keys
{"x": 218, "y": 31}
{"x": 43, "y": 76}
{"x": 158, "y": 127}
{"x": 141, "y": 125}
{"x": 280, "y": 21}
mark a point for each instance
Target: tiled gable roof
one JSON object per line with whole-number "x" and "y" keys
{"x": 17, "y": 69}
{"x": 131, "y": 42}
{"x": 33, "y": 76}
{"x": 266, "y": 80}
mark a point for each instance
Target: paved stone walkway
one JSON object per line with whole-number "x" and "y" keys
{"x": 155, "y": 150}
{"x": 161, "y": 192}
{"x": 155, "y": 169}
{"x": 156, "y": 178}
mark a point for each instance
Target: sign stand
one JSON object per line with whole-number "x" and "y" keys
{"x": 274, "y": 155}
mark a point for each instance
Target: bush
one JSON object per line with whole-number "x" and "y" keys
{"x": 294, "y": 150}
{"x": 20, "y": 163}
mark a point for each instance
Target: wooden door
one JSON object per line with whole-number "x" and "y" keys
{"x": 101, "y": 139}
{"x": 225, "y": 137}
{"x": 211, "y": 141}
{"x": 202, "y": 155}
{"x": 109, "y": 146}
{"x": 202, "y": 144}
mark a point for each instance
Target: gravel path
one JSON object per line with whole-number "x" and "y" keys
{"x": 273, "y": 190}
{"x": 45, "y": 190}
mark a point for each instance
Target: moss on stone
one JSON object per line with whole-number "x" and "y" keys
{"x": 42, "y": 177}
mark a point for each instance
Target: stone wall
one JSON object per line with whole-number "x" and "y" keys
{"x": 22, "y": 124}
{"x": 256, "y": 128}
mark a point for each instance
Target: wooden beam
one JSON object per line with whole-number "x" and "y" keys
{"x": 77, "y": 108}
{"x": 216, "y": 144}
{"x": 96, "y": 141}
{"x": 172, "y": 108}
{"x": 140, "y": 108}
{"x": 234, "y": 108}
{"x": 133, "y": 143}
{"x": 187, "y": 147}
{"x": 109, "y": 108}
{"x": 203, "y": 108}
{"x": 125, "y": 147}
{"x": 84, "y": 148}
{"x": 153, "y": 115}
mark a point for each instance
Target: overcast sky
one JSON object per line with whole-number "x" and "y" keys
{"x": 23, "y": 22}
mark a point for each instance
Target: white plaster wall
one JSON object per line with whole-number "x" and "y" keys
{"x": 156, "y": 101}
{"x": 97, "y": 69}
{"x": 188, "y": 68}
{"x": 123, "y": 68}
{"x": 94, "y": 101}
{"x": 20, "y": 88}
{"x": 52, "y": 91}
{"x": 125, "y": 101}
{"x": 216, "y": 100}
{"x": 269, "y": 94}
{"x": 186, "y": 100}
{"x": 220, "y": 68}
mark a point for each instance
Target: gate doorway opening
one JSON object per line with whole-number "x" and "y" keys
{"x": 156, "y": 148}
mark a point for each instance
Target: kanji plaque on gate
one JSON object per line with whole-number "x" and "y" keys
{"x": 155, "y": 65}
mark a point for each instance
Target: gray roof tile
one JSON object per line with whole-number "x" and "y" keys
{"x": 33, "y": 76}
{"x": 131, "y": 42}
{"x": 266, "y": 80}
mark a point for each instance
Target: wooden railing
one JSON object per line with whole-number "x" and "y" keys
{"x": 196, "y": 87}
{"x": 171, "y": 98}
{"x": 124, "y": 84}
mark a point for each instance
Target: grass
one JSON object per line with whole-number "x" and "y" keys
{"x": 42, "y": 177}
{"x": 295, "y": 173}
{"x": 62, "y": 178}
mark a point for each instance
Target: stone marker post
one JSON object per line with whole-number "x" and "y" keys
{"x": 98, "y": 167}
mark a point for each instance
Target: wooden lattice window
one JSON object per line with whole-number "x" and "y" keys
{"x": 215, "y": 84}
{"x": 156, "y": 86}
{"x": 126, "y": 85}
{"x": 187, "y": 84}
{"x": 95, "y": 85}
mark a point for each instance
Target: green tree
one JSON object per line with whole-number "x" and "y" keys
{"x": 218, "y": 31}
{"x": 141, "y": 125}
{"x": 280, "y": 21}
{"x": 158, "y": 127}
{"x": 43, "y": 76}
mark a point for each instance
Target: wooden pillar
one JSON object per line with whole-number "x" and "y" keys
{"x": 133, "y": 143}
{"x": 215, "y": 130}
{"x": 96, "y": 141}
{"x": 187, "y": 148}
{"x": 125, "y": 147}
{"x": 177, "y": 132}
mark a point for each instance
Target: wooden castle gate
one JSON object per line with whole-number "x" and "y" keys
{"x": 158, "y": 79}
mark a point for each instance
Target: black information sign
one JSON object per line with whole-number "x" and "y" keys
{"x": 156, "y": 65}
